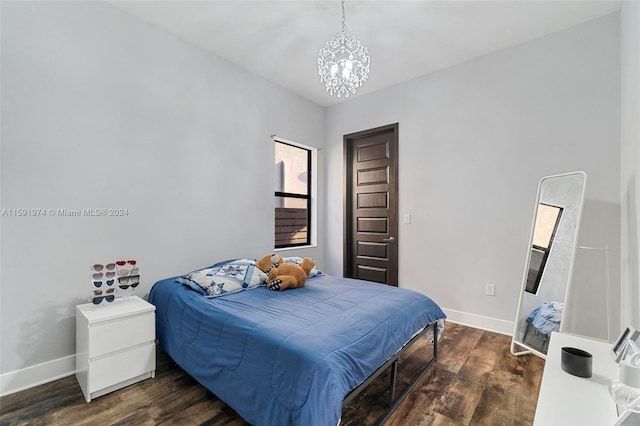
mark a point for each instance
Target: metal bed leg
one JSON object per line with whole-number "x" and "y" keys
{"x": 392, "y": 385}
{"x": 435, "y": 341}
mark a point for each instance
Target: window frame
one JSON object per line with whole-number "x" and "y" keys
{"x": 310, "y": 196}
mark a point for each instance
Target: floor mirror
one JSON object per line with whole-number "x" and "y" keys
{"x": 548, "y": 262}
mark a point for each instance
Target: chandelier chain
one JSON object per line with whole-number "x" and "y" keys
{"x": 344, "y": 25}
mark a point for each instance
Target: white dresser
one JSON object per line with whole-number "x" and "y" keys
{"x": 115, "y": 345}
{"x": 569, "y": 400}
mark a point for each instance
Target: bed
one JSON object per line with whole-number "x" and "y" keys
{"x": 291, "y": 357}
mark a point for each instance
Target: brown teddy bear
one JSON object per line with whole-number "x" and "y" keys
{"x": 284, "y": 275}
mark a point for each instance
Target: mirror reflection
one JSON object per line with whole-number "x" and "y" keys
{"x": 549, "y": 262}
{"x": 544, "y": 230}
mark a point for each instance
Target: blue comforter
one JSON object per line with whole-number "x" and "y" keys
{"x": 291, "y": 357}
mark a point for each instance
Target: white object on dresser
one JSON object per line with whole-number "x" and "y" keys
{"x": 115, "y": 345}
{"x": 570, "y": 400}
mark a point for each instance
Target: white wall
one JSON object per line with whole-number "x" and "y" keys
{"x": 630, "y": 161}
{"x": 474, "y": 141}
{"x": 100, "y": 110}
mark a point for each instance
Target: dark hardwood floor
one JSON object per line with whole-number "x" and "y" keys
{"x": 476, "y": 381}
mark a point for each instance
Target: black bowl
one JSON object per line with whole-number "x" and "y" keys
{"x": 576, "y": 361}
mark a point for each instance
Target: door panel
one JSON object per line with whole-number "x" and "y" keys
{"x": 371, "y": 273}
{"x": 371, "y": 212}
{"x": 371, "y": 249}
{"x": 376, "y": 225}
{"x": 379, "y": 175}
{"x": 373, "y": 200}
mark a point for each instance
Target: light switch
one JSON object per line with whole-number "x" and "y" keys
{"x": 407, "y": 218}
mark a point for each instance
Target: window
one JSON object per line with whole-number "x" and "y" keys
{"x": 293, "y": 190}
{"x": 544, "y": 231}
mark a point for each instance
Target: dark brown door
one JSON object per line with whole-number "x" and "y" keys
{"x": 371, "y": 205}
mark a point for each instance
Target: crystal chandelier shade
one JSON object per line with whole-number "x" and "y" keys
{"x": 343, "y": 63}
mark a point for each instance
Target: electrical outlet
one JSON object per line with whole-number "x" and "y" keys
{"x": 490, "y": 289}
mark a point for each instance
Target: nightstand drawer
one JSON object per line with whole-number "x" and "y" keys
{"x": 123, "y": 333}
{"x": 122, "y": 366}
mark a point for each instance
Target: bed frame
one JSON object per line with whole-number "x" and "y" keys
{"x": 393, "y": 363}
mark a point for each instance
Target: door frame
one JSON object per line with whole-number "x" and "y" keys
{"x": 347, "y": 199}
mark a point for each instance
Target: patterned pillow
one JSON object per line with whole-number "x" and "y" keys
{"x": 225, "y": 278}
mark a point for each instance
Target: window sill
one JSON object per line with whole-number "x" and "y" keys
{"x": 295, "y": 248}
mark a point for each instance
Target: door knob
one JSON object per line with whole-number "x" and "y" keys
{"x": 389, "y": 240}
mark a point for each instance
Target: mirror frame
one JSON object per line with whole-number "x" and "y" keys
{"x": 514, "y": 343}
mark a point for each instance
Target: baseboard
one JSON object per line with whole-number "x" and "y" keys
{"x": 478, "y": 321}
{"x": 25, "y": 378}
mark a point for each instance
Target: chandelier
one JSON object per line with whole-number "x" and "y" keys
{"x": 343, "y": 63}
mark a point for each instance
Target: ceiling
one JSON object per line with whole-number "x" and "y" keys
{"x": 279, "y": 40}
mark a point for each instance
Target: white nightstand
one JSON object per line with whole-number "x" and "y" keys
{"x": 115, "y": 345}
